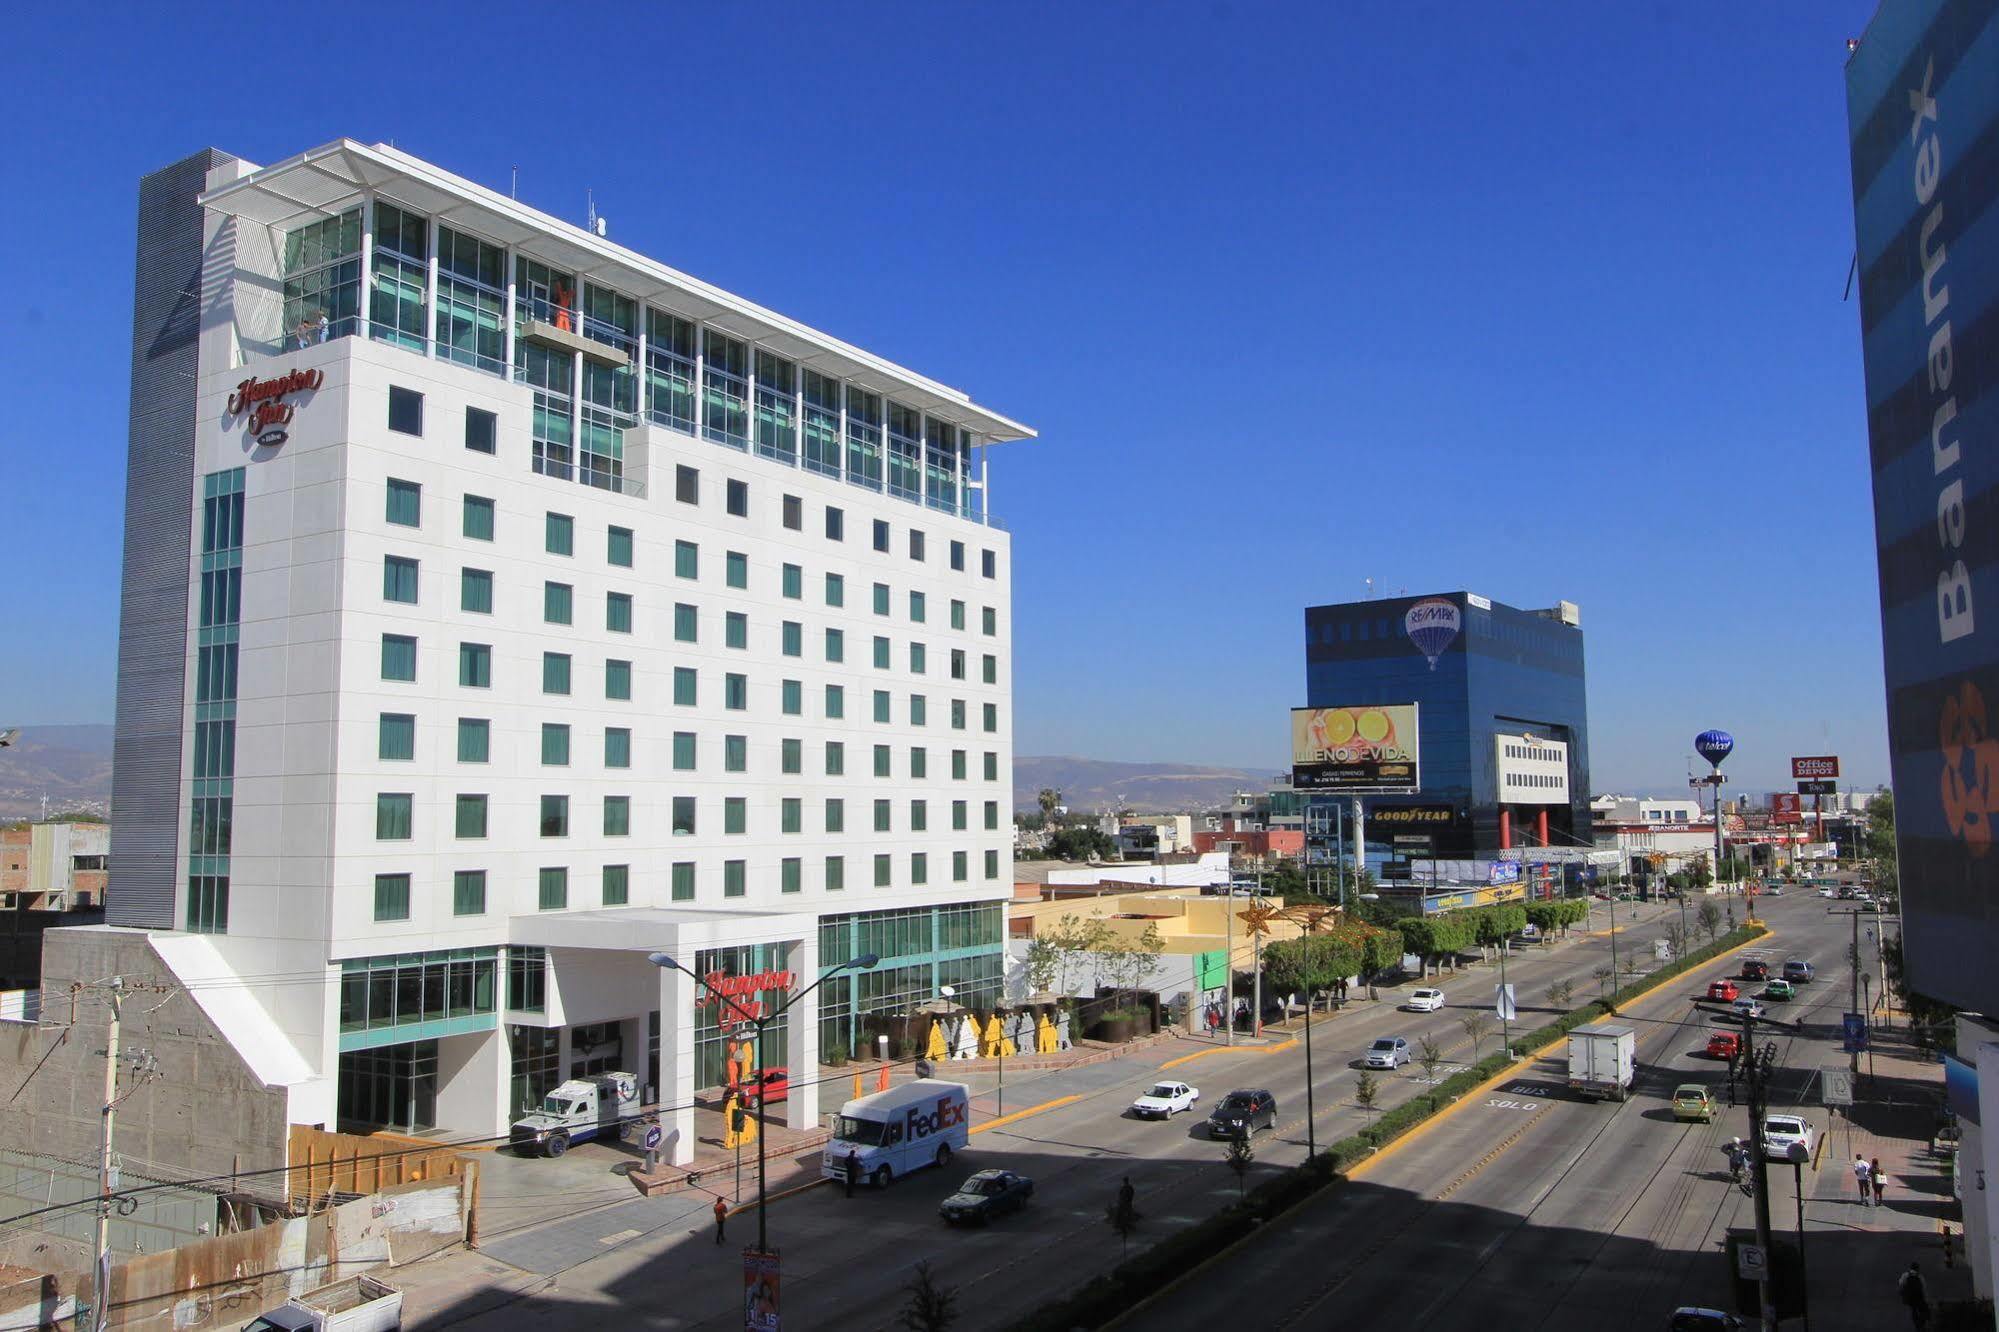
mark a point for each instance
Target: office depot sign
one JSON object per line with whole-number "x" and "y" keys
{"x": 264, "y": 400}
{"x": 1810, "y": 769}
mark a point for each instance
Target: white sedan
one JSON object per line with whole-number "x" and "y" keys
{"x": 1165, "y": 1099}
{"x": 1424, "y": 1001}
{"x": 1783, "y": 1132}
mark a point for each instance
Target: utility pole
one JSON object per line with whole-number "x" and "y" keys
{"x": 1760, "y": 1167}
{"x": 1228, "y": 965}
{"x": 1854, "y": 1007}
{"x": 100, "y": 1316}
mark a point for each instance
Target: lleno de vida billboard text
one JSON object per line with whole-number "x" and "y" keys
{"x": 1373, "y": 748}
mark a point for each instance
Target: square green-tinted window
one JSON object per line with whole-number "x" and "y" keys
{"x": 617, "y": 884}
{"x": 735, "y": 629}
{"x": 794, "y": 582}
{"x": 992, "y": 766}
{"x": 736, "y": 569}
{"x": 471, "y": 816}
{"x": 399, "y": 580}
{"x": 683, "y": 751}
{"x": 405, "y": 503}
{"x": 919, "y": 867}
{"x": 836, "y": 874}
{"x": 396, "y": 736}
{"x": 478, "y": 520}
{"x": 959, "y": 870}
{"x": 919, "y": 816}
{"x": 735, "y": 753}
{"x": 475, "y": 665}
{"x": 916, "y": 607}
{"x": 836, "y": 590}
{"x": 617, "y": 816}
{"x": 788, "y": 872}
{"x": 919, "y": 658}
{"x": 392, "y": 817}
{"x": 881, "y": 598}
{"x": 617, "y": 747}
{"x": 882, "y": 706}
{"x": 619, "y": 547}
{"x": 836, "y": 815}
{"x": 794, "y": 698}
{"x": 882, "y": 761}
{"x": 686, "y": 623}
{"x": 793, "y": 639}
{"x": 555, "y": 816}
{"x": 683, "y": 816}
{"x": 557, "y": 603}
{"x": 618, "y": 612}
{"x": 733, "y": 878}
{"x": 884, "y": 817}
{"x": 735, "y": 692}
{"x": 989, "y": 668}
{"x": 919, "y": 763}
{"x": 957, "y": 664}
{"x": 555, "y": 672}
{"x": 468, "y": 893}
{"x": 959, "y": 815}
{"x": 992, "y": 815}
{"x": 555, "y": 744}
{"x": 957, "y": 765}
{"x": 836, "y": 645}
{"x": 957, "y": 614}
{"x": 617, "y": 679}
{"x": 554, "y": 894}
{"x": 990, "y": 716}
{"x": 475, "y": 739}
{"x": 735, "y": 816}
{"x": 836, "y": 758}
{"x": 992, "y": 864}
{"x": 790, "y": 815}
{"x": 686, "y": 560}
{"x": 836, "y": 702}
{"x": 789, "y": 751}
{"x": 919, "y": 710}
{"x": 392, "y": 897}
{"x": 882, "y": 651}
{"x": 683, "y": 881}
{"x": 559, "y": 534}
{"x": 883, "y": 873}
{"x": 988, "y": 620}
{"x": 957, "y": 714}
{"x": 475, "y": 591}
{"x": 684, "y": 680}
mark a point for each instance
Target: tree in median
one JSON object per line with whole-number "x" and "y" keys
{"x": 1122, "y": 1214}
{"x": 1561, "y": 994}
{"x": 1430, "y": 1057}
{"x": 1239, "y": 1155}
{"x": 1708, "y": 917}
{"x": 1602, "y": 976}
{"x": 1366, "y": 1089}
{"x": 932, "y": 1307}
{"x": 1476, "y": 1024}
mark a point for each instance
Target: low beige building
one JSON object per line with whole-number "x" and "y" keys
{"x": 54, "y": 866}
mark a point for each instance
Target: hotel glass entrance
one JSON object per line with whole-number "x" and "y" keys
{"x": 390, "y": 1086}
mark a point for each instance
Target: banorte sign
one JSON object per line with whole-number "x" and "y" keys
{"x": 264, "y": 400}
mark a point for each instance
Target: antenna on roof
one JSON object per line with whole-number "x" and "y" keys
{"x": 599, "y": 226}
{"x": 514, "y": 189}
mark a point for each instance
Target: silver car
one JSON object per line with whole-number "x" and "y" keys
{"x": 1388, "y": 1052}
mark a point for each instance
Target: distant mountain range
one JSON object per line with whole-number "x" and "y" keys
{"x": 70, "y": 765}
{"x": 1147, "y": 788}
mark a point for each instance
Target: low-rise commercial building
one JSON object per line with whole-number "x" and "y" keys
{"x": 60, "y": 865}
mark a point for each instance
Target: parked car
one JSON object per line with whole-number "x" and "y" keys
{"x": 1165, "y": 1100}
{"x": 987, "y": 1194}
{"x": 769, "y": 1085}
{"x": 1692, "y": 1318}
{"x": 1828, "y": 892}
{"x": 1424, "y": 1001}
{"x": 1780, "y": 990}
{"x": 1388, "y": 1052}
{"x": 1747, "y": 1007}
{"x": 1724, "y": 1044}
{"x": 1241, "y": 1113}
{"x": 1780, "y": 1131}
{"x": 1723, "y": 991}
{"x": 1694, "y": 1102}
{"x": 1799, "y": 972}
{"x": 1755, "y": 969}
{"x": 1774, "y": 890}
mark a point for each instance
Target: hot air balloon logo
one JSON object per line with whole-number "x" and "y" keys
{"x": 1714, "y": 746}
{"x": 1431, "y": 625}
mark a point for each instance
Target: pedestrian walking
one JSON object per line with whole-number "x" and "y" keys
{"x": 852, "y": 1170}
{"x": 1861, "y": 1181}
{"x": 1878, "y": 1178}
{"x": 1916, "y": 1296}
{"x": 721, "y": 1216}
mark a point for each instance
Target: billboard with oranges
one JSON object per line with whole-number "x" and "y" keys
{"x": 1370, "y": 748}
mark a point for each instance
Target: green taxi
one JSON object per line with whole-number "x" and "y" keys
{"x": 1692, "y": 1101}
{"x": 1781, "y": 990}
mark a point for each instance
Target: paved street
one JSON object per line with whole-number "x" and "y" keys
{"x": 845, "y": 1259}
{"x": 1526, "y": 1209}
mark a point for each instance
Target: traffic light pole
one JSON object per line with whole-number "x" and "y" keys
{"x": 1766, "y": 1291}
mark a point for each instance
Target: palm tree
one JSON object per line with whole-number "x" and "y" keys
{"x": 1048, "y": 798}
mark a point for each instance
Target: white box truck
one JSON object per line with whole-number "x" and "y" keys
{"x": 358, "y": 1304}
{"x": 1603, "y": 1061}
{"x": 579, "y": 1110}
{"x": 902, "y": 1129}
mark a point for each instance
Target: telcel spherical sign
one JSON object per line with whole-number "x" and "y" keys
{"x": 1714, "y": 746}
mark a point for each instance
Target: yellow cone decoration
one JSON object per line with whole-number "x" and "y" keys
{"x": 990, "y": 1038}
{"x": 1044, "y": 1035}
{"x": 934, "y": 1049}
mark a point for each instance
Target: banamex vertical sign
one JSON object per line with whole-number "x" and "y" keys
{"x": 1922, "y": 99}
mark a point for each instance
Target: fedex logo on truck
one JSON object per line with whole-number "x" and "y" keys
{"x": 918, "y": 1123}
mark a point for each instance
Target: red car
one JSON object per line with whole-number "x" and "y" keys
{"x": 1755, "y": 969}
{"x": 772, "y": 1084}
{"x": 1724, "y": 1044}
{"x": 1723, "y": 991}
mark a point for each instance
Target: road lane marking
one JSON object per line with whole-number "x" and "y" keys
{"x": 1023, "y": 1114}
{"x": 1498, "y": 1151}
{"x": 1279, "y": 1048}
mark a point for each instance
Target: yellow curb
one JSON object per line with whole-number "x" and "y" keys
{"x": 1465, "y": 1098}
{"x": 1023, "y": 1114}
{"x": 1279, "y": 1048}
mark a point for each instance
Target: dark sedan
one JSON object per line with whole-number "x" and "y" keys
{"x": 988, "y": 1194}
{"x": 1241, "y": 1113}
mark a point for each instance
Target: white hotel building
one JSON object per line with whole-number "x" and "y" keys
{"x": 502, "y": 605}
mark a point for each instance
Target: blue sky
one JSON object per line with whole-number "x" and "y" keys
{"x": 1543, "y": 303}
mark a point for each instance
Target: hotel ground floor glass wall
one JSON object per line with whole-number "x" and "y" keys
{"x": 960, "y": 944}
{"x": 390, "y": 1086}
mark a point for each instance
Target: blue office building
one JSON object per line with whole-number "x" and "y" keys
{"x": 1503, "y": 749}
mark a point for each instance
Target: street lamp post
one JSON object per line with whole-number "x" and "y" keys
{"x": 761, "y": 1023}
{"x": 999, "y": 1094}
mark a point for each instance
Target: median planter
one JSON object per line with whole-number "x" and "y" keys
{"x": 1115, "y": 1030}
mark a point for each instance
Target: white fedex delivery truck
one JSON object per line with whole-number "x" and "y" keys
{"x": 902, "y": 1129}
